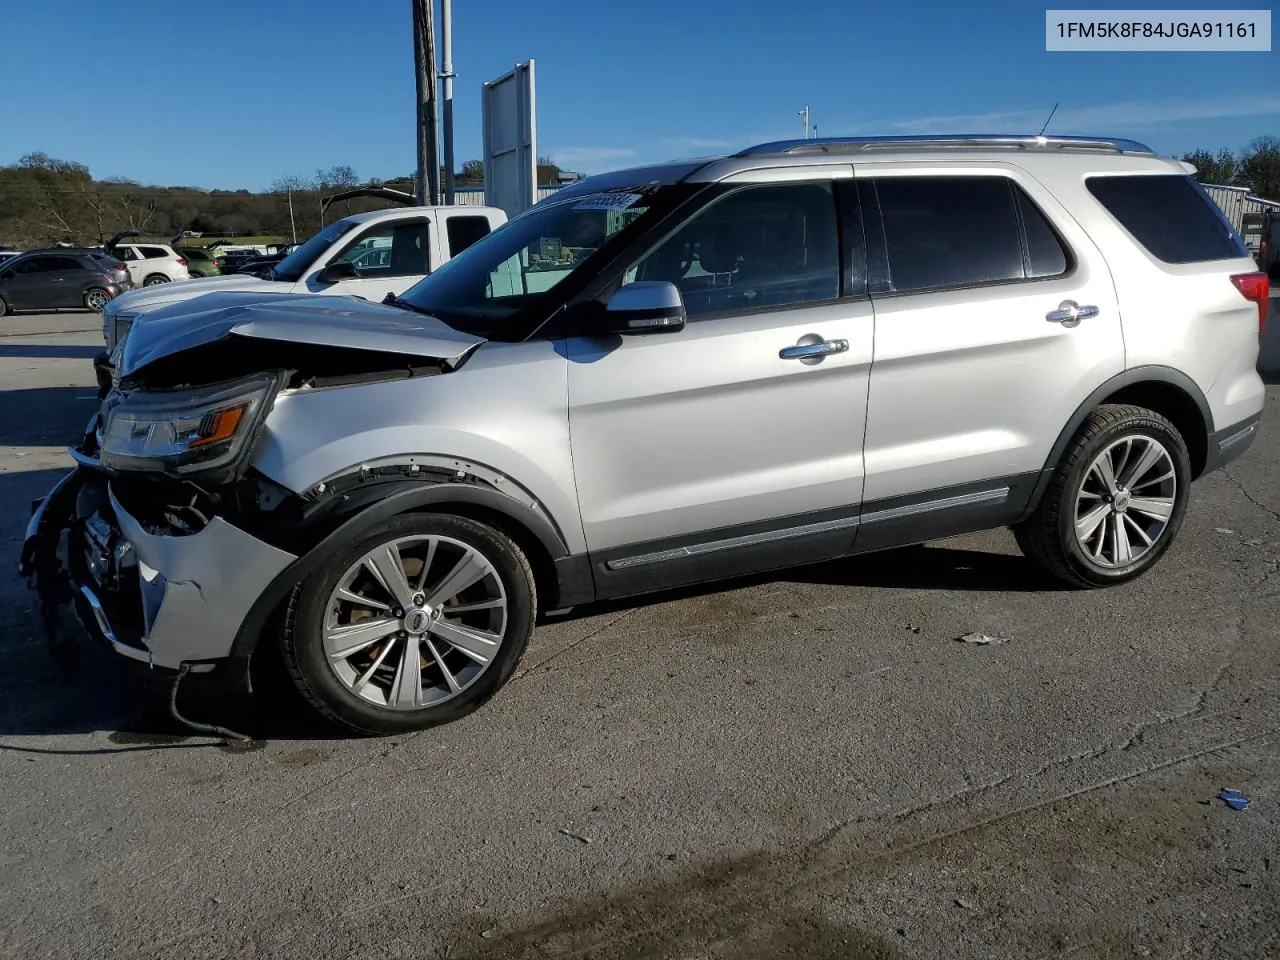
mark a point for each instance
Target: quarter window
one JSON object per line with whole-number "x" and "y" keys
{"x": 1171, "y": 216}
{"x": 755, "y": 248}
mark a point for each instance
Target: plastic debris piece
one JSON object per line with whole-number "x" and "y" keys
{"x": 576, "y": 836}
{"x": 982, "y": 639}
{"x": 1234, "y": 799}
{"x": 963, "y": 903}
{"x": 1223, "y": 530}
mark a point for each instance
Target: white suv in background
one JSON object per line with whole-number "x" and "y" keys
{"x": 151, "y": 263}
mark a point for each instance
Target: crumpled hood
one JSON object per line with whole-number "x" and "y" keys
{"x": 344, "y": 322}
{"x": 148, "y": 298}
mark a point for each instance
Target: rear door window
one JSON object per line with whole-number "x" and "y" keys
{"x": 1171, "y": 216}
{"x": 154, "y": 253}
{"x": 464, "y": 231}
{"x": 949, "y": 232}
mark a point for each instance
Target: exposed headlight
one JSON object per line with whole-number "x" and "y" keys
{"x": 186, "y": 431}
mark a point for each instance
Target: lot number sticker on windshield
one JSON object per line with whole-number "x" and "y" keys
{"x": 607, "y": 201}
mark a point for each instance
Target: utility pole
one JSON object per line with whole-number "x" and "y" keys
{"x": 424, "y": 57}
{"x": 804, "y": 118}
{"x": 293, "y": 227}
{"x": 446, "y": 76}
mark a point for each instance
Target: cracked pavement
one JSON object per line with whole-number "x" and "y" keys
{"x": 802, "y": 765}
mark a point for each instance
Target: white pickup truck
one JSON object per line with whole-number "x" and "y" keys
{"x": 367, "y": 255}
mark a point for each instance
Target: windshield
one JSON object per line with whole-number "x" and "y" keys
{"x": 292, "y": 267}
{"x": 482, "y": 289}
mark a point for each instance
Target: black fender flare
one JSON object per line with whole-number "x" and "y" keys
{"x": 365, "y": 509}
{"x": 1148, "y": 373}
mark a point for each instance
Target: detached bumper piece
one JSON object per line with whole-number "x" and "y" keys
{"x": 171, "y": 598}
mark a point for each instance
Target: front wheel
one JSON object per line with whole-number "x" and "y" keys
{"x": 1115, "y": 502}
{"x": 415, "y": 624}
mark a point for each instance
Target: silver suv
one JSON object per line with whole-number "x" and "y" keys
{"x": 663, "y": 376}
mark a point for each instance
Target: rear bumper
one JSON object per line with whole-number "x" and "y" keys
{"x": 163, "y": 599}
{"x": 1231, "y": 442}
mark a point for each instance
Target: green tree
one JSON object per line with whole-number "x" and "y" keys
{"x": 1221, "y": 167}
{"x": 1260, "y": 168}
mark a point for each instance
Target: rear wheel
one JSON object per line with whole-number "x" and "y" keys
{"x": 4, "y": 307}
{"x": 96, "y": 300}
{"x": 155, "y": 278}
{"x": 415, "y": 624}
{"x": 1115, "y": 502}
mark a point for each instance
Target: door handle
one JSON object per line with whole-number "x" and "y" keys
{"x": 1070, "y": 313}
{"x": 813, "y": 351}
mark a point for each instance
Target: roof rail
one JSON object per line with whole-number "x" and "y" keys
{"x": 944, "y": 141}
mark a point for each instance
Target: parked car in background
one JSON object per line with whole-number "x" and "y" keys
{"x": 1269, "y": 248}
{"x": 664, "y": 376}
{"x": 234, "y": 261}
{"x": 419, "y": 240}
{"x": 63, "y": 278}
{"x": 151, "y": 263}
{"x": 200, "y": 262}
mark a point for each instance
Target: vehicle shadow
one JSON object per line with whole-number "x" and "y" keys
{"x": 45, "y": 416}
{"x": 925, "y": 567}
{"x": 44, "y": 351}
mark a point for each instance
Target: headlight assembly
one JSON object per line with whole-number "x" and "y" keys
{"x": 183, "y": 432}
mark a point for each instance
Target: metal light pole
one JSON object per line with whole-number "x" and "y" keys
{"x": 424, "y": 58}
{"x": 446, "y": 76}
{"x": 804, "y": 118}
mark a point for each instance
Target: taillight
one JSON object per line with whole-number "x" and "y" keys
{"x": 182, "y": 262}
{"x": 1256, "y": 288}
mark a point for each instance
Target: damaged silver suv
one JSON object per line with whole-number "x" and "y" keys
{"x": 662, "y": 376}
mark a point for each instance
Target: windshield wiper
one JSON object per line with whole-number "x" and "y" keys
{"x": 392, "y": 300}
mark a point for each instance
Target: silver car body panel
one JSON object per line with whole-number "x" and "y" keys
{"x": 197, "y": 589}
{"x": 709, "y": 428}
{"x": 331, "y": 321}
{"x": 504, "y": 410}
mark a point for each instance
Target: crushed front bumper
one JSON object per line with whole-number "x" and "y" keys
{"x": 164, "y": 598}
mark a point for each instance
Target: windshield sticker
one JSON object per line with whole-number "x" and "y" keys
{"x": 607, "y": 201}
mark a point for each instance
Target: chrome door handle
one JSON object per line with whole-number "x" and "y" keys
{"x": 813, "y": 351}
{"x": 1070, "y": 313}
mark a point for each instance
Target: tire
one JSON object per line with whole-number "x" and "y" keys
{"x": 96, "y": 299}
{"x": 4, "y": 307}
{"x": 358, "y": 690}
{"x": 154, "y": 279}
{"x": 1073, "y": 533}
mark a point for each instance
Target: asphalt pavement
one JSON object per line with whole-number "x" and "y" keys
{"x": 802, "y": 765}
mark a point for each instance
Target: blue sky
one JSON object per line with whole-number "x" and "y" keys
{"x": 237, "y": 93}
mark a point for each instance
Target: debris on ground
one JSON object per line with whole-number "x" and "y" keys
{"x": 982, "y": 639}
{"x": 576, "y": 836}
{"x": 1234, "y": 799}
{"x": 964, "y": 904}
{"x": 1223, "y": 530}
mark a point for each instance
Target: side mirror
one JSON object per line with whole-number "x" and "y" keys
{"x": 338, "y": 271}
{"x": 647, "y": 306}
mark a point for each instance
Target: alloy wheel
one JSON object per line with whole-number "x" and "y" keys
{"x": 414, "y": 622}
{"x": 1125, "y": 501}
